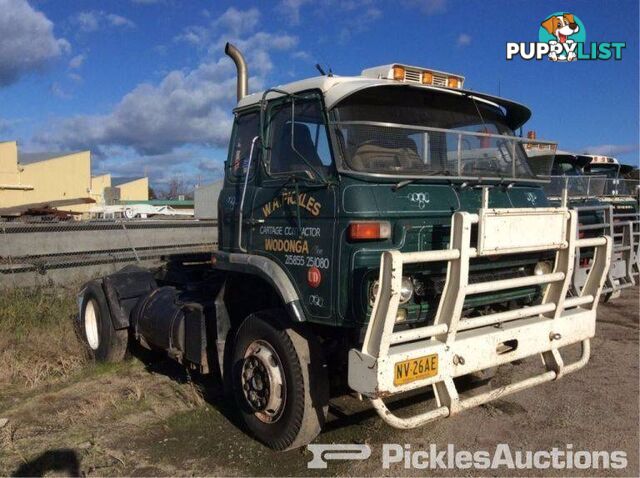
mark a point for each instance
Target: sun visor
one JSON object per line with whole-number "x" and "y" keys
{"x": 516, "y": 114}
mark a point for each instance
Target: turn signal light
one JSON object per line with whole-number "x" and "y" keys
{"x": 398, "y": 73}
{"x": 369, "y": 230}
{"x": 427, "y": 78}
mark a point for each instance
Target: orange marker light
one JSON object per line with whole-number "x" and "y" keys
{"x": 427, "y": 78}
{"x": 398, "y": 73}
{"x": 369, "y": 230}
{"x": 453, "y": 82}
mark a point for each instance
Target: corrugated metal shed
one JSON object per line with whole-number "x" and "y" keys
{"x": 206, "y": 200}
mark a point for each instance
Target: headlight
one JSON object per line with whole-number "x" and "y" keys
{"x": 406, "y": 290}
{"x": 543, "y": 267}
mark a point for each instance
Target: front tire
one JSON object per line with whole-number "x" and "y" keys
{"x": 279, "y": 381}
{"x": 104, "y": 343}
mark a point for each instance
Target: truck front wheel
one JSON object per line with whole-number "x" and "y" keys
{"x": 103, "y": 341}
{"x": 279, "y": 381}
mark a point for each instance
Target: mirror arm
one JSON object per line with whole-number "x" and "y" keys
{"x": 244, "y": 192}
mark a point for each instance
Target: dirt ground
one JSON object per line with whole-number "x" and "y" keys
{"x": 146, "y": 417}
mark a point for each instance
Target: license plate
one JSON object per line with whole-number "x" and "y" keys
{"x": 415, "y": 369}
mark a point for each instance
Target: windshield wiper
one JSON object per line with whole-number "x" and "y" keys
{"x": 406, "y": 182}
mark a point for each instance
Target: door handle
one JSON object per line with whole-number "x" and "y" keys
{"x": 252, "y": 222}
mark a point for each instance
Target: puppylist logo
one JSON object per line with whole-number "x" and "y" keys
{"x": 562, "y": 37}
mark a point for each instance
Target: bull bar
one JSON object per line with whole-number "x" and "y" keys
{"x": 466, "y": 345}
{"x": 625, "y": 260}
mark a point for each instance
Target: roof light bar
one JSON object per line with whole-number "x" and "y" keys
{"x": 414, "y": 74}
{"x": 603, "y": 159}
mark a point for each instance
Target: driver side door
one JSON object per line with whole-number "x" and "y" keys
{"x": 294, "y": 209}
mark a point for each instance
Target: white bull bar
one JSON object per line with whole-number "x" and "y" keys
{"x": 625, "y": 261}
{"x": 463, "y": 346}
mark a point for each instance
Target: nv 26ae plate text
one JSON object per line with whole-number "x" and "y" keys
{"x": 415, "y": 369}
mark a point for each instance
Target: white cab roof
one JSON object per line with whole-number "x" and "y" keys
{"x": 334, "y": 88}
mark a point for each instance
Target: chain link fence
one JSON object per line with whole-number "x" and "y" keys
{"x": 42, "y": 252}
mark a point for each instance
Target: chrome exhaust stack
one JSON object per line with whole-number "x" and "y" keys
{"x": 241, "y": 65}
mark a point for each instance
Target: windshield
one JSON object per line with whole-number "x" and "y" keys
{"x": 608, "y": 170}
{"x": 576, "y": 184}
{"x": 399, "y": 130}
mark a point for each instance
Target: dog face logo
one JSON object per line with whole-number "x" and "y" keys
{"x": 563, "y": 30}
{"x": 561, "y": 26}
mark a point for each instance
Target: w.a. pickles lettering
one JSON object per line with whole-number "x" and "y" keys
{"x": 302, "y": 200}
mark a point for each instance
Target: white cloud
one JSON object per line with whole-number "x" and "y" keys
{"x": 359, "y": 22}
{"x": 611, "y": 149}
{"x": 57, "y": 91}
{"x": 301, "y": 55}
{"x": 463, "y": 39}
{"x": 87, "y": 21}
{"x": 75, "y": 77}
{"x": 291, "y": 8}
{"x": 233, "y": 21}
{"x": 91, "y": 21}
{"x": 119, "y": 21}
{"x": 27, "y": 42}
{"x": 187, "y": 107}
{"x": 77, "y": 61}
{"x": 238, "y": 22}
{"x": 195, "y": 35}
{"x": 428, "y": 7}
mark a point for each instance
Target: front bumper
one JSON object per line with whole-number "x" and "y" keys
{"x": 463, "y": 346}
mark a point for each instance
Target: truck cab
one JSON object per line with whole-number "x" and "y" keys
{"x": 346, "y": 167}
{"x": 377, "y": 234}
{"x": 590, "y": 195}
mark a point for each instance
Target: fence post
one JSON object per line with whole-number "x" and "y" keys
{"x": 6, "y": 239}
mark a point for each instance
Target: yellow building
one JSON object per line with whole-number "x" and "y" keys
{"x": 36, "y": 178}
{"x": 98, "y": 185}
{"x": 132, "y": 189}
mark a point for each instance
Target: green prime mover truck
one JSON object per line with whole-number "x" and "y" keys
{"x": 377, "y": 234}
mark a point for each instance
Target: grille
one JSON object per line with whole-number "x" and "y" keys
{"x": 439, "y": 80}
{"x": 435, "y": 285}
{"x": 414, "y": 76}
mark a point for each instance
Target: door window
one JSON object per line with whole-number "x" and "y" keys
{"x": 303, "y": 137}
{"x": 247, "y": 127}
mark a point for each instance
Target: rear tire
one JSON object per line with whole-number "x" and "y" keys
{"x": 104, "y": 343}
{"x": 279, "y": 381}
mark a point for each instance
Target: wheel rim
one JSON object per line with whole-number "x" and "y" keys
{"x": 263, "y": 382}
{"x": 91, "y": 324}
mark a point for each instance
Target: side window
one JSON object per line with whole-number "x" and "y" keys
{"x": 306, "y": 137}
{"x": 247, "y": 127}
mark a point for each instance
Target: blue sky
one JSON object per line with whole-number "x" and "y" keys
{"x": 144, "y": 84}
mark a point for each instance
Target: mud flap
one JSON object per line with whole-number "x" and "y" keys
{"x": 123, "y": 289}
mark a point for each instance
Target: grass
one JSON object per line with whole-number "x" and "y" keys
{"x": 38, "y": 342}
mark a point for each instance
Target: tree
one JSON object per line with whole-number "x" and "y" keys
{"x": 176, "y": 188}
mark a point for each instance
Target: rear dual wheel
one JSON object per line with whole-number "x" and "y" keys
{"x": 279, "y": 381}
